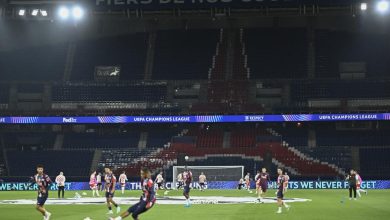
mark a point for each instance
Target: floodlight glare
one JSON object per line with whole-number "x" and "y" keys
{"x": 382, "y": 6}
{"x": 77, "y": 12}
{"x": 44, "y": 13}
{"x": 22, "y": 12}
{"x": 63, "y": 12}
{"x": 363, "y": 6}
{"x": 34, "y": 12}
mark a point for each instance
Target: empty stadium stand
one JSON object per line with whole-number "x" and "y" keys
{"x": 184, "y": 54}
{"x": 374, "y": 162}
{"x": 126, "y": 51}
{"x": 96, "y": 92}
{"x": 38, "y": 63}
{"x": 333, "y": 47}
{"x": 101, "y": 141}
{"x": 276, "y": 52}
{"x": 23, "y": 163}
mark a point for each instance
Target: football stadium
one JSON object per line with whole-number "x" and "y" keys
{"x": 194, "y": 109}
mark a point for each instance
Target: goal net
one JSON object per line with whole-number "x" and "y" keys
{"x": 213, "y": 173}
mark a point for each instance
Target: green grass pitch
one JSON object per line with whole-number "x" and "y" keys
{"x": 325, "y": 204}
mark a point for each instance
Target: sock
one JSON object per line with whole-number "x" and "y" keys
{"x": 97, "y": 193}
{"x": 116, "y": 205}
{"x": 109, "y": 208}
{"x": 358, "y": 193}
{"x": 118, "y": 218}
{"x": 280, "y": 209}
{"x": 123, "y": 190}
{"x": 93, "y": 192}
{"x": 285, "y": 205}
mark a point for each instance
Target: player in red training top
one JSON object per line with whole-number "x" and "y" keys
{"x": 147, "y": 200}
{"x": 43, "y": 181}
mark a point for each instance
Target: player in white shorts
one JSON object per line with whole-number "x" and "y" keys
{"x": 202, "y": 181}
{"x": 159, "y": 181}
{"x": 93, "y": 184}
{"x": 358, "y": 185}
{"x": 122, "y": 181}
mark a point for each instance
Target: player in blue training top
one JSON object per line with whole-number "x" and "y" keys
{"x": 147, "y": 200}
{"x": 43, "y": 181}
{"x": 187, "y": 177}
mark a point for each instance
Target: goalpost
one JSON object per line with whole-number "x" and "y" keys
{"x": 213, "y": 173}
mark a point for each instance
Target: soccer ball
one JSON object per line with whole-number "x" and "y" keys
{"x": 186, "y": 157}
{"x": 87, "y": 218}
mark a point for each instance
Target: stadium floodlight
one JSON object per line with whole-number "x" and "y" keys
{"x": 22, "y": 12}
{"x": 44, "y": 13}
{"x": 363, "y": 6}
{"x": 382, "y": 6}
{"x": 34, "y": 12}
{"x": 77, "y": 12}
{"x": 63, "y": 12}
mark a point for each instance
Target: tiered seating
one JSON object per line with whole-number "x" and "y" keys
{"x": 127, "y": 51}
{"x": 184, "y": 54}
{"x": 72, "y": 163}
{"x": 297, "y": 138}
{"x": 120, "y": 159}
{"x": 276, "y": 53}
{"x": 4, "y": 93}
{"x": 109, "y": 92}
{"x": 30, "y": 88}
{"x": 293, "y": 158}
{"x": 3, "y": 170}
{"x": 301, "y": 91}
{"x": 44, "y": 63}
{"x": 43, "y": 140}
{"x": 93, "y": 140}
{"x": 159, "y": 138}
{"x": 208, "y": 137}
{"x": 353, "y": 138}
{"x": 338, "y": 155}
{"x": 333, "y": 47}
{"x": 245, "y": 136}
{"x": 374, "y": 162}
{"x": 294, "y": 136}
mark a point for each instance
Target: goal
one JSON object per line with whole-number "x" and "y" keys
{"x": 213, "y": 173}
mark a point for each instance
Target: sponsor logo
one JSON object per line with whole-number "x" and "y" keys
{"x": 2, "y": 120}
{"x": 69, "y": 120}
{"x": 254, "y": 118}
